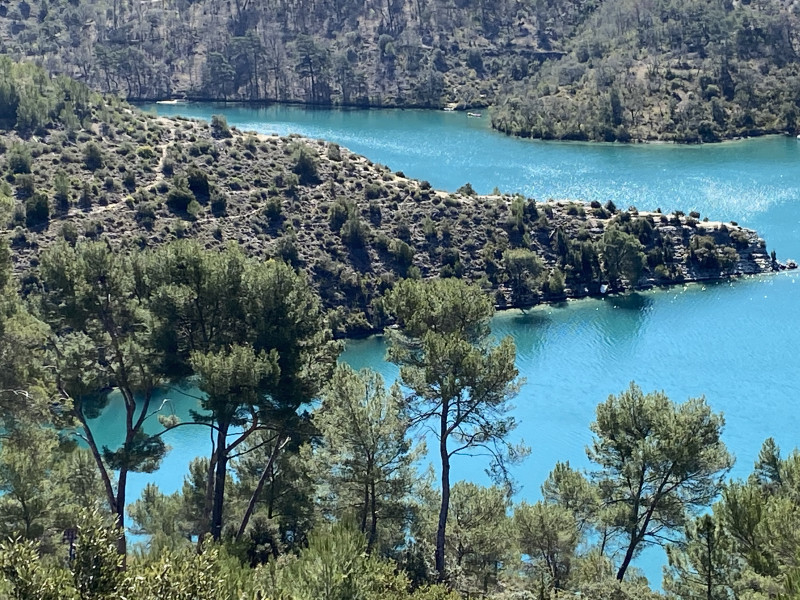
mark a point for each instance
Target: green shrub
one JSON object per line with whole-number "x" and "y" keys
{"x": 129, "y": 181}
{"x": 403, "y": 255}
{"x": 339, "y": 213}
{"x": 286, "y": 249}
{"x": 382, "y": 242}
{"x": 305, "y": 165}
{"x": 194, "y": 208}
{"x": 197, "y": 181}
{"x": 663, "y": 271}
{"x": 146, "y": 152}
{"x": 273, "y": 208}
{"x": 70, "y": 233}
{"x": 146, "y": 214}
{"x": 219, "y": 203}
{"x": 555, "y": 283}
{"x": 179, "y": 196}
{"x": 200, "y": 147}
{"x": 19, "y": 159}
{"x": 403, "y": 231}
{"x": 728, "y": 257}
{"x": 219, "y": 126}
{"x": 451, "y": 263}
{"x": 37, "y": 210}
{"x": 87, "y": 196}
{"x": 251, "y": 143}
{"x": 375, "y": 213}
{"x": 703, "y": 251}
{"x": 429, "y": 229}
{"x": 740, "y": 238}
{"x": 354, "y": 232}
{"x": 92, "y": 156}
{"x": 373, "y": 191}
{"x": 467, "y": 190}
{"x": 334, "y": 152}
{"x": 25, "y": 185}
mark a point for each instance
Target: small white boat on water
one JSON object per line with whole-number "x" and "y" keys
{"x": 173, "y": 101}
{"x": 474, "y": 114}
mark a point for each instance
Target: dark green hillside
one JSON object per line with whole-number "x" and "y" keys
{"x": 684, "y": 70}
{"x": 690, "y": 71}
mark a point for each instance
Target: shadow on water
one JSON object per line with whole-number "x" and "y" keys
{"x": 621, "y": 319}
{"x": 631, "y": 302}
{"x": 527, "y": 318}
{"x": 528, "y": 328}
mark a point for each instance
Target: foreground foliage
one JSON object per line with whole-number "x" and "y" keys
{"x": 460, "y": 383}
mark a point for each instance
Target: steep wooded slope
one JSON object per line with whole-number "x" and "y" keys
{"x": 686, "y": 70}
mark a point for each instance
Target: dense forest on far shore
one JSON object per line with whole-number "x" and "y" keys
{"x": 681, "y": 70}
{"x": 139, "y": 252}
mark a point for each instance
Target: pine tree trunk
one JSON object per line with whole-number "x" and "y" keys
{"x": 627, "y": 560}
{"x": 445, "y": 506}
{"x": 122, "y": 544}
{"x": 373, "y": 530}
{"x": 219, "y": 484}
{"x": 280, "y": 442}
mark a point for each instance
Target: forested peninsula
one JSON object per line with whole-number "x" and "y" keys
{"x": 141, "y": 252}
{"x": 678, "y": 70}
{"x": 83, "y": 166}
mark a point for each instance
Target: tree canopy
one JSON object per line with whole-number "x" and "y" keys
{"x": 658, "y": 463}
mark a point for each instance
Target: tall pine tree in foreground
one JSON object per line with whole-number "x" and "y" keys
{"x": 460, "y": 380}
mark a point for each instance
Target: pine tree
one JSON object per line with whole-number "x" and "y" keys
{"x": 702, "y": 567}
{"x": 659, "y": 462}
{"x": 365, "y": 463}
{"x": 460, "y": 382}
{"x": 101, "y": 339}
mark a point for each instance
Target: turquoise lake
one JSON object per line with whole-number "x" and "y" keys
{"x": 734, "y": 342}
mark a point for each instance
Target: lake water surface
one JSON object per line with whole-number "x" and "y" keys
{"x": 736, "y": 343}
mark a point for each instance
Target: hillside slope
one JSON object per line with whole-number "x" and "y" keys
{"x": 685, "y": 70}
{"x": 79, "y": 165}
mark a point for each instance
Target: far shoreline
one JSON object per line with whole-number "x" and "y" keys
{"x": 486, "y": 119}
